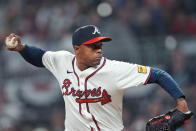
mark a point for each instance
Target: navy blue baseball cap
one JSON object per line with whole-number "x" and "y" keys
{"x": 88, "y": 35}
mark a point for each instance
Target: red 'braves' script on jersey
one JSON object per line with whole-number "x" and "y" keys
{"x": 104, "y": 97}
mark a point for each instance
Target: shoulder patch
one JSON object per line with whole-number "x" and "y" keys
{"x": 142, "y": 69}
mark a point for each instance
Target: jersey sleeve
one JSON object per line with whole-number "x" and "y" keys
{"x": 131, "y": 75}
{"x": 53, "y": 60}
{"x": 48, "y": 60}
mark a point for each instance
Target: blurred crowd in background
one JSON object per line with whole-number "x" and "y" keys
{"x": 158, "y": 33}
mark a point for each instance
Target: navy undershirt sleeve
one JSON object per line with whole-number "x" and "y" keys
{"x": 33, "y": 55}
{"x": 166, "y": 82}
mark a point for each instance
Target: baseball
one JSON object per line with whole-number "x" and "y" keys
{"x": 11, "y": 43}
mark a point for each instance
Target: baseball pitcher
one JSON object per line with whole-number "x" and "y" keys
{"x": 92, "y": 85}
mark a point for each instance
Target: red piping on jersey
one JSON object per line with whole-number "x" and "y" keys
{"x": 95, "y": 122}
{"x": 78, "y": 82}
{"x": 80, "y": 109}
{"x": 91, "y": 76}
{"x": 86, "y": 90}
{"x": 148, "y": 77}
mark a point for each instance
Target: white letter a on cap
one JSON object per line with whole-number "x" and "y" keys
{"x": 96, "y": 31}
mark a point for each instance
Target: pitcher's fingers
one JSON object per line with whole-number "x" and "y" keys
{"x": 11, "y": 36}
{"x": 15, "y": 39}
{"x": 18, "y": 39}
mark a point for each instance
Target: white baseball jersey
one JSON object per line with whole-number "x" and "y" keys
{"x": 93, "y": 97}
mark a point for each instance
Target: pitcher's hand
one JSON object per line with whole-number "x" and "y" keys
{"x": 13, "y": 43}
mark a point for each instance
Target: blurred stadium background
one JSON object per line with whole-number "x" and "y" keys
{"x": 158, "y": 33}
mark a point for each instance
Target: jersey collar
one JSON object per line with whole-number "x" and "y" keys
{"x": 89, "y": 70}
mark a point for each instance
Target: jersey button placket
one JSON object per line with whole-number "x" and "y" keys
{"x": 82, "y": 79}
